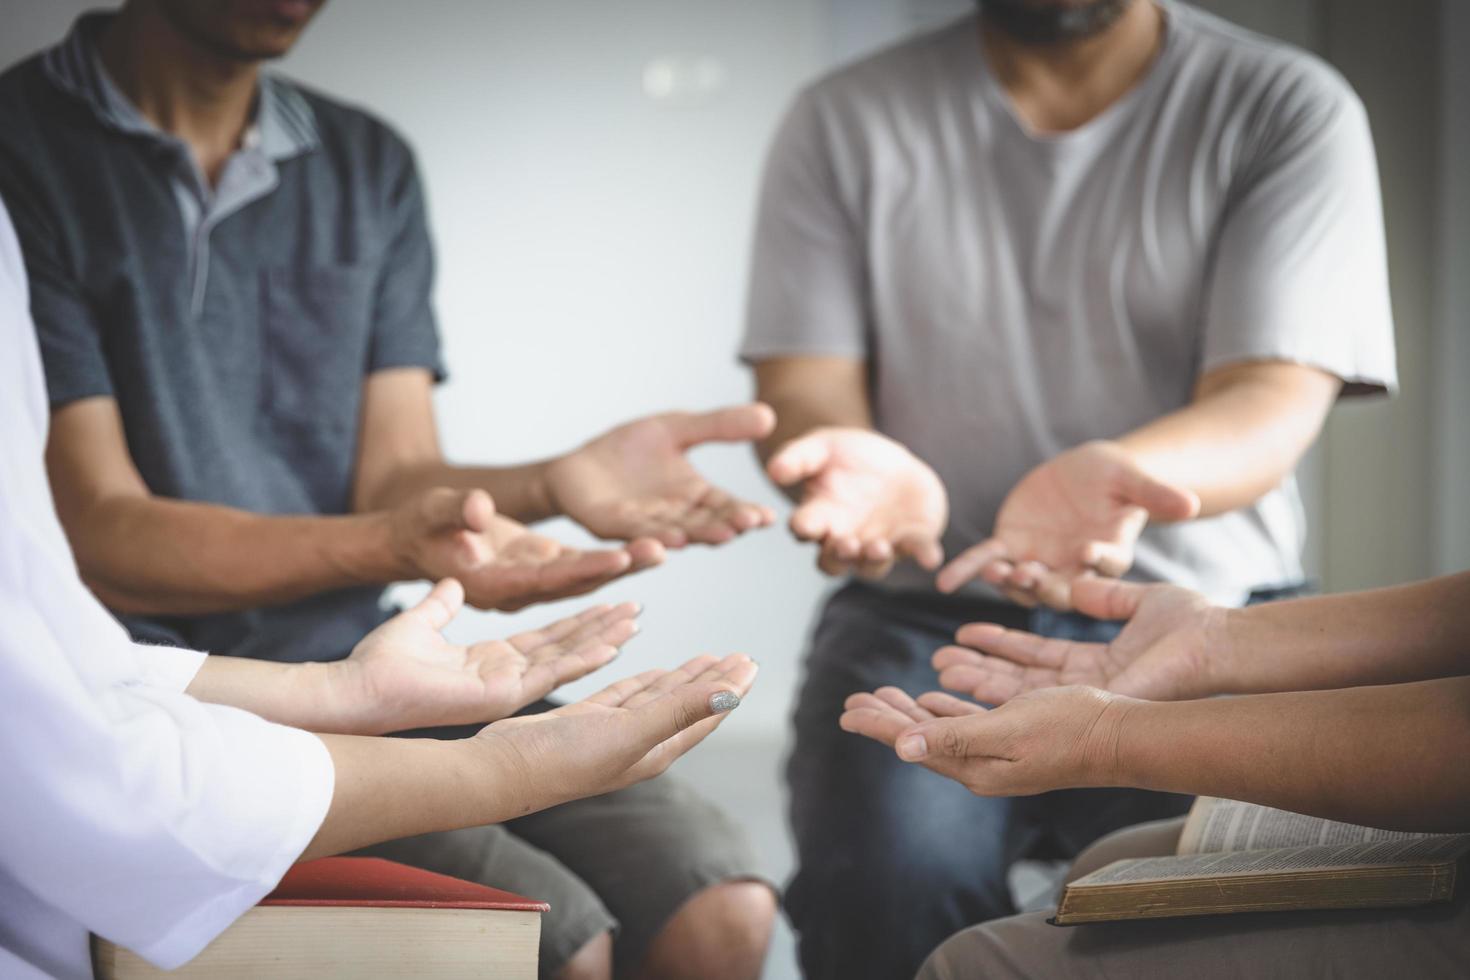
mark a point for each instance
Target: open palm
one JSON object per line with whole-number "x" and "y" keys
{"x": 1080, "y": 512}
{"x": 866, "y": 500}
{"x": 412, "y": 677}
{"x": 1163, "y": 652}
{"x": 602, "y": 744}
{"x": 636, "y": 481}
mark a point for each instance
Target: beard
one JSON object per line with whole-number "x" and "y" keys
{"x": 1043, "y": 22}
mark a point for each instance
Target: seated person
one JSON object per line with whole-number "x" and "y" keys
{"x": 142, "y": 805}
{"x": 231, "y": 278}
{"x": 1372, "y": 728}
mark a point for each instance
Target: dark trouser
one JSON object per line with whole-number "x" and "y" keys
{"x": 894, "y": 859}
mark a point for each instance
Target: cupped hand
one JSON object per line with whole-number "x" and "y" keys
{"x": 444, "y": 533}
{"x": 1056, "y": 738}
{"x": 866, "y": 500}
{"x": 628, "y": 732}
{"x": 1078, "y": 514}
{"x": 1164, "y": 652}
{"x": 405, "y": 674}
{"x": 637, "y": 482}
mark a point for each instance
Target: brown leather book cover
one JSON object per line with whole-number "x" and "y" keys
{"x": 361, "y": 882}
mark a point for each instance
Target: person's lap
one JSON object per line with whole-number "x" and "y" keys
{"x": 893, "y": 859}
{"x": 1432, "y": 941}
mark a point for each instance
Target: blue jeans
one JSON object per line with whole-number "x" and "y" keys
{"x": 892, "y": 858}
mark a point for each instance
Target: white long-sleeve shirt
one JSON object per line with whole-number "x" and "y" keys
{"x": 127, "y": 808}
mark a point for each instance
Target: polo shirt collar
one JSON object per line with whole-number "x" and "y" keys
{"x": 284, "y": 125}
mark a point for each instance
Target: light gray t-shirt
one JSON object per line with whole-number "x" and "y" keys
{"x": 1017, "y": 294}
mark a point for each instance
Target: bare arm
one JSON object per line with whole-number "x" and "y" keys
{"x": 1390, "y": 756}
{"x": 1082, "y": 510}
{"x": 632, "y": 483}
{"x": 398, "y": 454}
{"x": 809, "y": 393}
{"x": 1176, "y": 646}
{"x": 1245, "y": 431}
{"x": 629, "y": 732}
{"x": 147, "y": 554}
{"x": 1403, "y": 633}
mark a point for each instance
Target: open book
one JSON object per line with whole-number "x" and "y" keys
{"x": 1239, "y": 857}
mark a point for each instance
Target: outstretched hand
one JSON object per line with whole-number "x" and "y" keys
{"x": 405, "y": 674}
{"x": 1163, "y": 653}
{"x": 866, "y": 500}
{"x": 1045, "y": 740}
{"x": 624, "y": 734}
{"x": 446, "y": 533}
{"x": 1078, "y": 514}
{"x": 636, "y": 482}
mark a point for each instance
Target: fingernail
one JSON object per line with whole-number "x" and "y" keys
{"x": 723, "y": 701}
{"x": 912, "y": 748}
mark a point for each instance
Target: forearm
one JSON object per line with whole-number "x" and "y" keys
{"x": 1244, "y": 433}
{"x": 1390, "y": 757}
{"x": 388, "y": 788}
{"x": 148, "y": 555}
{"x": 318, "y": 697}
{"x": 1382, "y": 636}
{"x": 520, "y": 492}
{"x": 809, "y": 393}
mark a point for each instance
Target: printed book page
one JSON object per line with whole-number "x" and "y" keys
{"x": 1418, "y": 850}
{"x": 1216, "y": 825}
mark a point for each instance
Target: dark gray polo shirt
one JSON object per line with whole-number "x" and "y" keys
{"x": 235, "y": 325}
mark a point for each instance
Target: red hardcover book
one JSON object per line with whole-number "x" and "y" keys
{"x": 359, "y": 917}
{"x": 355, "y": 882}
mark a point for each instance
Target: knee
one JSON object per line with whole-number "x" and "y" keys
{"x": 721, "y": 932}
{"x": 592, "y": 962}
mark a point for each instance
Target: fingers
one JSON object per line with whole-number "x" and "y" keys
{"x": 968, "y": 564}
{"x": 983, "y": 678}
{"x": 1103, "y": 598}
{"x": 1163, "y": 501}
{"x": 441, "y": 605}
{"x": 922, "y": 547}
{"x": 1017, "y": 646}
{"x": 679, "y": 712}
{"x": 1107, "y": 557}
{"x": 645, "y": 553}
{"x": 738, "y": 423}
{"x": 944, "y": 705}
{"x": 800, "y": 459}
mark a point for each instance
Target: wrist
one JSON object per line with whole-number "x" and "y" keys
{"x": 1106, "y": 762}
{"x": 368, "y": 550}
{"x": 1221, "y": 639}
{"x": 504, "y": 786}
{"x": 541, "y": 497}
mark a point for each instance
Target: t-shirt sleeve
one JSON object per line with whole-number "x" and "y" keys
{"x": 808, "y": 284}
{"x": 405, "y": 331}
{"x": 67, "y": 328}
{"x": 1300, "y": 271}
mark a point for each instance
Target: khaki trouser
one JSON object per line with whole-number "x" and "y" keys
{"x": 1430, "y": 941}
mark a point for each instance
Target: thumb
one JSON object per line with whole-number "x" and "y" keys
{"x": 684, "y": 707}
{"x": 441, "y": 605}
{"x": 738, "y": 423}
{"x": 946, "y": 738}
{"x": 1107, "y": 598}
{"x": 800, "y": 459}
{"x": 445, "y": 509}
{"x": 1163, "y": 501}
